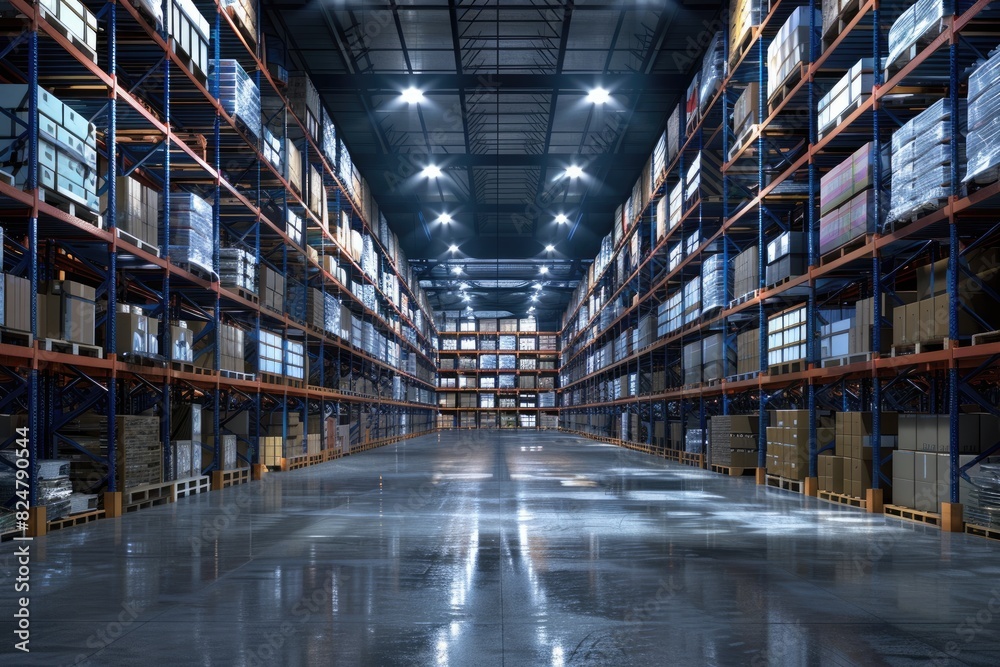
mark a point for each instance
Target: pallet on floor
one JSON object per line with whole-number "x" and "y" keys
{"x": 983, "y": 531}
{"x": 918, "y": 516}
{"x": 296, "y": 462}
{"x": 75, "y": 520}
{"x": 223, "y": 479}
{"x": 732, "y": 471}
{"x": 67, "y": 347}
{"x": 842, "y": 499}
{"x": 190, "y": 486}
{"x": 147, "y": 495}
{"x": 783, "y": 483}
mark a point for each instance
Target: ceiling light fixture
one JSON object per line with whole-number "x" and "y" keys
{"x": 444, "y": 218}
{"x": 431, "y": 171}
{"x": 598, "y": 96}
{"x": 543, "y": 270}
{"x": 531, "y": 309}
{"x": 574, "y": 171}
{"x": 538, "y": 286}
{"x": 457, "y": 270}
{"x": 561, "y": 219}
{"x": 453, "y": 248}
{"x": 413, "y": 95}
{"x": 549, "y": 248}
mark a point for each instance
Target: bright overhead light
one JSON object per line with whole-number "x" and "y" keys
{"x": 538, "y": 286}
{"x": 598, "y": 96}
{"x": 457, "y": 270}
{"x": 444, "y": 218}
{"x": 413, "y": 95}
{"x": 465, "y": 297}
{"x": 543, "y": 270}
{"x": 463, "y": 286}
{"x": 534, "y": 297}
{"x": 574, "y": 171}
{"x": 531, "y": 309}
{"x": 549, "y": 248}
{"x": 431, "y": 171}
{"x": 561, "y": 219}
{"x": 453, "y": 248}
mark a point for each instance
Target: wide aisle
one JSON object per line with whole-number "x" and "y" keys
{"x": 506, "y": 548}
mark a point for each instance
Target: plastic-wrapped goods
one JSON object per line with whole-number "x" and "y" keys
{"x": 674, "y": 132}
{"x": 716, "y": 280}
{"x": 787, "y": 256}
{"x": 295, "y": 300}
{"x": 676, "y": 206}
{"x": 853, "y": 88}
{"x": 853, "y": 175}
{"x": 691, "y": 106}
{"x": 694, "y": 441}
{"x": 849, "y": 221}
{"x": 190, "y": 230}
{"x": 295, "y": 359}
{"x": 238, "y": 268}
{"x": 294, "y": 226}
{"x": 983, "y": 140}
{"x": 271, "y": 147}
{"x": 331, "y": 314}
{"x": 238, "y": 95}
{"x": 744, "y": 15}
{"x": 713, "y": 67}
{"x": 921, "y": 161}
{"x": 919, "y": 23}
{"x": 369, "y": 260}
{"x": 791, "y": 47}
{"x": 717, "y": 358}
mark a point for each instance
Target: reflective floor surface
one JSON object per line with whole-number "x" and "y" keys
{"x": 486, "y": 548}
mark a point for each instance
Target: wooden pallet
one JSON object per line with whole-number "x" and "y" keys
{"x": 917, "y": 348}
{"x": 779, "y": 283}
{"x": 743, "y": 299}
{"x": 742, "y": 140}
{"x": 842, "y": 499}
{"x": 786, "y": 87}
{"x": 982, "y": 531}
{"x": 268, "y": 378}
{"x": 741, "y": 377}
{"x": 76, "y": 349}
{"x": 847, "y": 360}
{"x": 75, "y": 520}
{"x": 148, "y": 360}
{"x": 137, "y": 242}
{"x": 848, "y": 247}
{"x": 182, "y": 366}
{"x": 919, "y": 211}
{"x": 69, "y": 207}
{"x": 223, "y": 479}
{"x": 184, "y": 488}
{"x": 198, "y": 270}
{"x": 776, "y": 482}
{"x": 732, "y": 471}
{"x": 740, "y": 46}
{"x": 53, "y": 21}
{"x": 844, "y": 115}
{"x": 840, "y": 23}
{"x": 236, "y": 375}
{"x": 987, "y": 337}
{"x": 296, "y": 462}
{"x": 15, "y": 337}
{"x": 787, "y": 367}
{"x": 931, "y": 518}
{"x": 148, "y": 495}
{"x": 246, "y": 294}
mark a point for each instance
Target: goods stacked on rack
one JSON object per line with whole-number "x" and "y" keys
{"x": 67, "y": 145}
{"x": 848, "y": 470}
{"x": 748, "y": 352}
{"x": 918, "y": 24}
{"x": 694, "y": 441}
{"x": 305, "y": 102}
{"x": 983, "y": 508}
{"x": 745, "y": 114}
{"x": 788, "y": 441}
{"x": 733, "y": 440}
{"x": 847, "y": 199}
{"x": 790, "y": 49}
{"x": 190, "y": 231}
{"x": 190, "y": 33}
{"x": 983, "y": 139}
{"x": 922, "y": 161}
{"x": 138, "y": 212}
{"x": 787, "y": 257}
{"x": 67, "y": 311}
{"x": 849, "y": 93}
{"x": 270, "y": 147}
{"x": 140, "y": 458}
{"x": 744, "y": 16}
{"x": 76, "y": 20}
{"x": 713, "y": 67}
{"x": 137, "y": 334}
{"x": 244, "y": 15}
{"x": 746, "y": 277}
{"x": 238, "y": 268}
{"x": 922, "y": 467}
{"x": 239, "y": 96}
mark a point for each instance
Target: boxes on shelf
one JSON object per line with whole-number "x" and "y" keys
{"x": 691, "y": 106}
{"x": 713, "y": 67}
{"x": 790, "y": 48}
{"x": 138, "y": 450}
{"x": 75, "y": 18}
{"x": 733, "y": 440}
{"x": 294, "y": 359}
{"x": 718, "y": 360}
{"x": 305, "y": 102}
{"x": 67, "y": 145}
{"x": 919, "y": 23}
{"x": 190, "y": 32}
{"x": 16, "y": 303}
{"x": 694, "y": 441}
{"x": 138, "y": 211}
{"x": 787, "y": 257}
{"x": 136, "y": 333}
{"x": 191, "y": 241}
{"x": 674, "y": 136}
{"x": 272, "y": 289}
{"x": 745, "y": 109}
{"x": 832, "y": 11}
{"x": 244, "y": 15}
{"x": 293, "y": 165}
{"x": 848, "y": 469}
{"x": 270, "y": 146}
{"x": 788, "y": 441}
{"x": 744, "y": 15}
{"x": 748, "y": 352}
{"x": 746, "y": 277}
{"x": 852, "y": 176}
{"x": 850, "y": 91}
{"x": 239, "y": 95}
{"x": 67, "y": 311}
{"x": 850, "y": 221}
{"x": 922, "y": 162}
{"x": 716, "y": 280}
{"x": 238, "y": 268}
{"x": 983, "y": 139}
{"x": 181, "y": 342}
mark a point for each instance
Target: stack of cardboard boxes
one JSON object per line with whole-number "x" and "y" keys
{"x": 733, "y": 440}
{"x": 67, "y": 311}
{"x": 748, "y": 351}
{"x": 854, "y": 87}
{"x": 272, "y": 289}
{"x": 921, "y": 476}
{"x": 849, "y": 470}
{"x": 138, "y": 210}
{"x": 136, "y": 333}
{"x": 140, "y": 458}
{"x": 847, "y": 199}
{"x": 788, "y": 441}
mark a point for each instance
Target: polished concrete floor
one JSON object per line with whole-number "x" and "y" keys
{"x": 505, "y": 549}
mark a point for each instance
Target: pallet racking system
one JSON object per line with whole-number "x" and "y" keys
{"x": 161, "y": 122}
{"x": 769, "y": 182}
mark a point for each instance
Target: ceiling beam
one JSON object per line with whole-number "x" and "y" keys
{"x": 431, "y": 83}
{"x": 418, "y": 161}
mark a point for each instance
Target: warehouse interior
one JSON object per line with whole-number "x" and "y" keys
{"x": 541, "y": 332}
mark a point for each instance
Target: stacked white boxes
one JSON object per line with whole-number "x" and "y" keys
{"x": 790, "y": 47}
{"x": 271, "y": 148}
{"x": 293, "y": 226}
{"x": 983, "y": 139}
{"x": 293, "y": 166}
{"x": 67, "y": 145}
{"x": 190, "y": 230}
{"x": 921, "y": 161}
{"x": 269, "y": 353}
{"x": 190, "y": 33}
{"x": 138, "y": 210}
{"x": 853, "y": 88}
{"x": 239, "y": 96}
{"x": 295, "y": 359}
{"x": 238, "y": 268}
{"x": 920, "y": 21}
{"x": 716, "y": 283}
{"x": 304, "y": 100}
{"x": 75, "y": 18}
